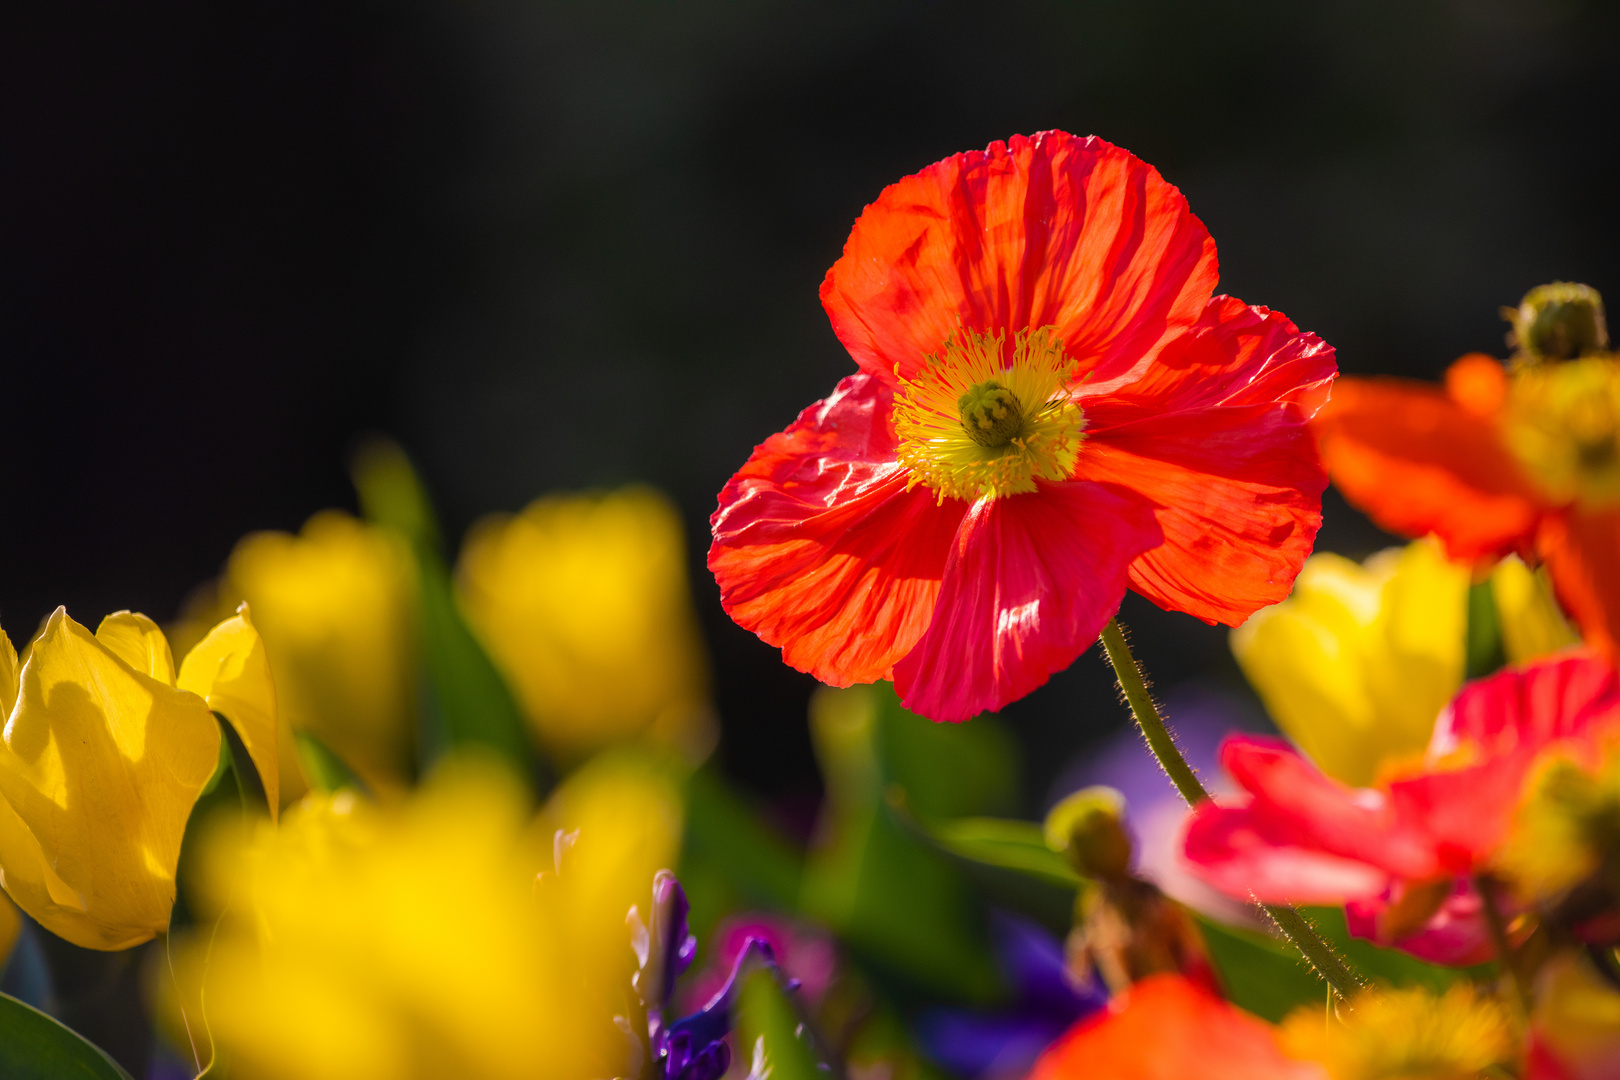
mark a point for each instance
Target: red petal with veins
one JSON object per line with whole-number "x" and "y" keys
{"x": 1216, "y": 435}
{"x": 1031, "y": 580}
{"x": 821, "y": 550}
{"x": 1049, "y": 230}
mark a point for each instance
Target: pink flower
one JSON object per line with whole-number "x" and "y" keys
{"x": 1401, "y": 855}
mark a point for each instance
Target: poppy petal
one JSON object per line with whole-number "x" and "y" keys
{"x": 821, "y": 549}
{"x": 1166, "y": 1027}
{"x": 1582, "y": 550}
{"x": 1048, "y": 230}
{"x": 1216, "y": 434}
{"x": 1245, "y": 853}
{"x": 1031, "y": 581}
{"x": 1417, "y": 462}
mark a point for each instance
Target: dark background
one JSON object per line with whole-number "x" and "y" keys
{"x": 570, "y": 244}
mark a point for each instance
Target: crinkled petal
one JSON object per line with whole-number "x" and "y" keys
{"x": 821, "y": 549}
{"x": 1048, "y": 230}
{"x": 1362, "y": 824}
{"x": 1031, "y": 580}
{"x": 1573, "y": 695}
{"x": 1417, "y": 462}
{"x": 229, "y": 670}
{"x": 1215, "y": 434}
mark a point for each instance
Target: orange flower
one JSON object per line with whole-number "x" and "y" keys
{"x": 1495, "y": 463}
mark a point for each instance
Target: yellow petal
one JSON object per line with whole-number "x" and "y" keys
{"x": 100, "y": 766}
{"x": 8, "y": 677}
{"x": 583, "y": 604}
{"x": 1532, "y": 624}
{"x": 335, "y": 606}
{"x": 137, "y": 641}
{"x": 229, "y": 670}
{"x": 1356, "y": 665}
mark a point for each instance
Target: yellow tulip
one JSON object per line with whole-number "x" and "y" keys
{"x": 1355, "y": 666}
{"x": 104, "y": 753}
{"x": 583, "y": 603}
{"x": 415, "y": 939}
{"x": 336, "y": 607}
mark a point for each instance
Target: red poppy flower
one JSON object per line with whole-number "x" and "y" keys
{"x": 1402, "y": 854}
{"x": 1050, "y": 407}
{"x": 1169, "y": 1028}
{"x": 1493, "y": 464}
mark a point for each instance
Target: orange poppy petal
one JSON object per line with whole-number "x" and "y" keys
{"x": 1215, "y": 435}
{"x": 1582, "y": 551}
{"x": 1048, "y": 230}
{"x": 820, "y": 548}
{"x": 1416, "y": 462}
{"x": 1168, "y": 1028}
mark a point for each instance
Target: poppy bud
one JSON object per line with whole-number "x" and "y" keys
{"x": 1088, "y": 829}
{"x": 1560, "y": 321}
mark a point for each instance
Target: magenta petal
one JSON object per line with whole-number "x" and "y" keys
{"x": 1456, "y": 935}
{"x": 1244, "y": 854}
{"x": 1574, "y": 695}
{"x": 1029, "y": 583}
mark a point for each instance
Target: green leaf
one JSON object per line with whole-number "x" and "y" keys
{"x": 34, "y": 1046}
{"x": 1260, "y": 973}
{"x": 1008, "y": 861}
{"x": 900, "y": 904}
{"x": 467, "y": 701}
{"x": 724, "y": 830}
{"x": 324, "y": 769}
{"x": 772, "y": 1033}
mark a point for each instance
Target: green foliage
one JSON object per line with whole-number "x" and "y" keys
{"x": 35, "y": 1047}
{"x": 324, "y": 770}
{"x": 1383, "y": 965}
{"x": 1485, "y": 651}
{"x": 1007, "y": 861}
{"x": 898, "y": 904}
{"x": 466, "y": 700}
{"x": 769, "y": 1026}
{"x": 731, "y": 858}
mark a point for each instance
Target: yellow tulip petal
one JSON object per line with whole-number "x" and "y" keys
{"x": 583, "y": 604}
{"x": 229, "y": 670}
{"x": 1356, "y": 665}
{"x": 1532, "y": 624}
{"x": 8, "y": 677}
{"x": 336, "y": 608}
{"x": 137, "y": 641}
{"x": 100, "y": 766}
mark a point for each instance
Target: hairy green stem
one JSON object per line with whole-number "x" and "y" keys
{"x": 1293, "y": 925}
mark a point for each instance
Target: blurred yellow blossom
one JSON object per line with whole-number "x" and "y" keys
{"x": 449, "y": 934}
{"x": 1356, "y": 665}
{"x": 336, "y": 607}
{"x": 1575, "y": 1026}
{"x": 102, "y": 759}
{"x": 1566, "y": 827}
{"x": 1405, "y": 1034}
{"x": 583, "y": 603}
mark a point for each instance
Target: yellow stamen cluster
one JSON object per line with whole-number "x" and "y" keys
{"x": 1566, "y": 829}
{"x": 1405, "y": 1034}
{"x": 975, "y": 422}
{"x": 1563, "y": 424}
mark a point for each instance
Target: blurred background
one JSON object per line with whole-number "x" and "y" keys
{"x": 567, "y": 245}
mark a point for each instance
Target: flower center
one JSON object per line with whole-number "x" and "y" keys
{"x": 982, "y": 420}
{"x": 1563, "y": 424}
{"x": 991, "y": 414}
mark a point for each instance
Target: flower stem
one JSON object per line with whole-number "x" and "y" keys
{"x": 1293, "y": 925}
